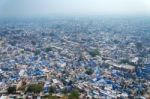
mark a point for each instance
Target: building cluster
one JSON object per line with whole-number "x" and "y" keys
{"x": 99, "y": 58}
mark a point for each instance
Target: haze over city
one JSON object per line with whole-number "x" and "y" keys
{"x": 21, "y": 8}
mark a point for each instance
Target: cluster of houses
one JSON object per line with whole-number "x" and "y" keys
{"x": 74, "y": 54}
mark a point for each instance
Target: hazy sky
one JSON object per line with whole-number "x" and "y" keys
{"x": 73, "y": 7}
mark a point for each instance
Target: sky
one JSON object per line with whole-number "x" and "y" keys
{"x": 73, "y": 7}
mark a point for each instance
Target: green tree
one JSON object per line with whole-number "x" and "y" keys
{"x": 37, "y": 52}
{"x": 36, "y": 88}
{"x": 48, "y": 49}
{"x": 33, "y": 42}
{"x": 52, "y": 89}
{"x": 74, "y": 94}
{"x": 126, "y": 61}
{"x": 65, "y": 91}
{"x": 94, "y": 52}
{"x": 22, "y": 51}
{"x": 89, "y": 71}
{"x": 11, "y": 90}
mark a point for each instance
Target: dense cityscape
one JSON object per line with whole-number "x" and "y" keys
{"x": 75, "y": 58}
